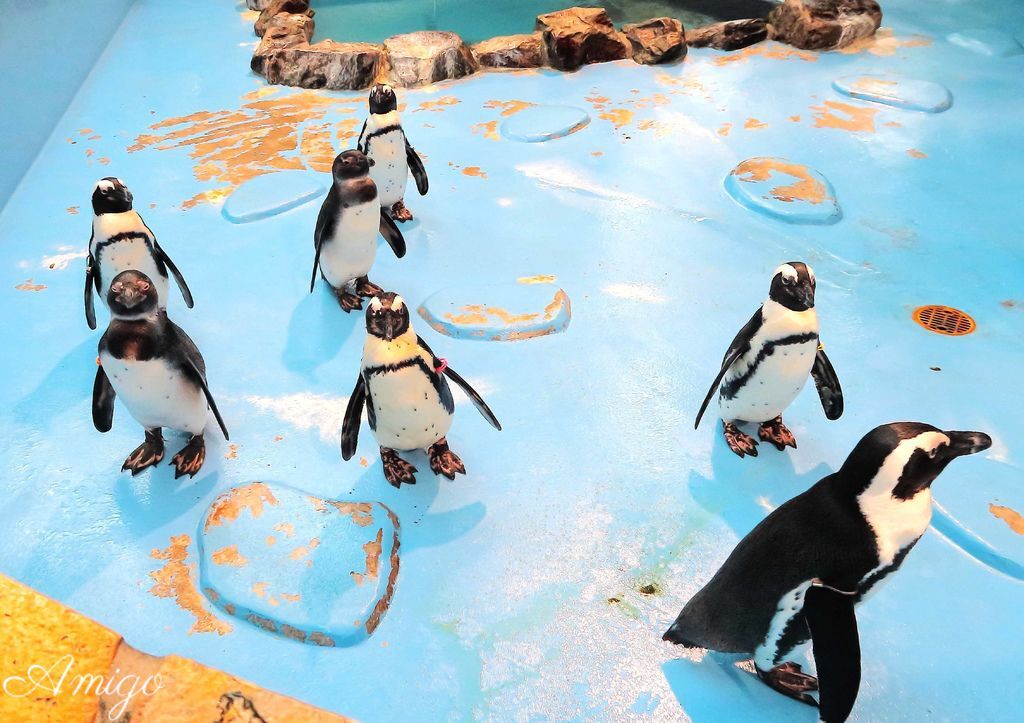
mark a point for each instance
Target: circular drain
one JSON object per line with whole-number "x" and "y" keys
{"x": 944, "y": 320}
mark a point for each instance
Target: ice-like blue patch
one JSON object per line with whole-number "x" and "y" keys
{"x": 896, "y": 91}
{"x": 315, "y": 570}
{"x": 499, "y": 312}
{"x": 983, "y": 41}
{"x": 784, "y": 190}
{"x": 271, "y": 194}
{"x": 544, "y": 123}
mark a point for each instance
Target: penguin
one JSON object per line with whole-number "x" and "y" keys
{"x": 769, "y": 361}
{"x": 158, "y": 372}
{"x": 345, "y": 239}
{"x": 383, "y": 140}
{"x": 120, "y": 241}
{"x": 799, "y": 574}
{"x": 408, "y": 402}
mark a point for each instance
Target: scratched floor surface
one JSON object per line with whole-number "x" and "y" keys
{"x": 537, "y": 586}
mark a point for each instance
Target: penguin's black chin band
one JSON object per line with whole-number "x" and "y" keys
{"x": 963, "y": 443}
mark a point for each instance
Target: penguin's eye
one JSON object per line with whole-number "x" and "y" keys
{"x": 787, "y": 281}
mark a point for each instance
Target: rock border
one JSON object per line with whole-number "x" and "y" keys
{"x": 563, "y": 40}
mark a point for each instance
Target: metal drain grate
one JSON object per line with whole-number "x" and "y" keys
{"x": 944, "y": 320}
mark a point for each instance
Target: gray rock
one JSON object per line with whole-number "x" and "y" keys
{"x": 427, "y": 56}
{"x": 510, "y": 51}
{"x": 284, "y": 31}
{"x": 257, "y": 4}
{"x": 730, "y": 35}
{"x": 658, "y": 40}
{"x": 577, "y": 36}
{"x": 275, "y": 7}
{"x": 327, "y": 64}
{"x": 824, "y": 24}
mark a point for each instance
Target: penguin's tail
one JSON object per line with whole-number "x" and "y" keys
{"x": 675, "y": 635}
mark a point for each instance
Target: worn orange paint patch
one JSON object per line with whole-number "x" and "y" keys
{"x": 285, "y": 527}
{"x": 914, "y": 153}
{"x": 474, "y": 171}
{"x": 300, "y": 552}
{"x": 73, "y": 210}
{"x": 772, "y": 50}
{"x": 843, "y": 116}
{"x": 508, "y": 107}
{"x": 538, "y": 279}
{"x": 724, "y": 129}
{"x": 84, "y": 131}
{"x": 436, "y": 106}
{"x": 1011, "y": 517}
{"x": 360, "y": 512}
{"x": 229, "y": 556}
{"x": 271, "y": 540}
{"x": 619, "y": 117}
{"x": 753, "y": 124}
{"x": 176, "y": 580}
{"x": 597, "y": 154}
{"x": 232, "y": 452}
{"x": 884, "y": 42}
{"x": 259, "y": 589}
{"x": 805, "y": 188}
{"x": 489, "y": 130}
{"x": 474, "y": 314}
{"x": 893, "y": 124}
{"x": 229, "y": 505}
{"x": 372, "y": 549}
{"x": 27, "y": 285}
{"x": 104, "y": 161}
{"x": 795, "y": 118}
{"x": 291, "y": 597}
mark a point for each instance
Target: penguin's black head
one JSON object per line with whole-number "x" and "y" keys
{"x": 903, "y": 458}
{"x": 387, "y": 316}
{"x": 793, "y": 286}
{"x": 111, "y": 196}
{"x": 383, "y": 99}
{"x": 351, "y": 164}
{"x": 131, "y": 295}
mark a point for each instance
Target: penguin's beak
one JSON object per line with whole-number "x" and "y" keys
{"x": 389, "y": 328}
{"x": 807, "y": 296}
{"x": 961, "y": 443}
{"x": 371, "y": 161}
{"x": 130, "y": 297}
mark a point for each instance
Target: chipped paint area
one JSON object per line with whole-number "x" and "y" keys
{"x": 769, "y": 49}
{"x": 753, "y": 124}
{"x": 232, "y": 503}
{"x": 844, "y": 116}
{"x": 488, "y": 129}
{"x": 508, "y": 107}
{"x": 176, "y": 579}
{"x": 538, "y": 279}
{"x": 437, "y": 106}
{"x": 1013, "y": 519}
{"x": 618, "y": 117}
{"x": 27, "y": 285}
{"x": 885, "y": 43}
{"x": 914, "y": 153}
{"x": 228, "y": 556}
{"x": 474, "y": 171}
{"x": 805, "y": 188}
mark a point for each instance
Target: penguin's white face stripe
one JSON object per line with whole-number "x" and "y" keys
{"x": 787, "y": 271}
{"x": 105, "y": 185}
{"x": 810, "y": 271}
{"x": 398, "y": 303}
{"x": 375, "y": 304}
{"x": 895, "y": 522}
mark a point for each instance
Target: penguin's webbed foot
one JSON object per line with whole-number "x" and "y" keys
{"x": 739, "y": 442}
{"x": 190, "y": 459}
{"x": 146, "y": 454}
{"x": 777, "y": 433}
{"x": 788, "y": 679}
{"x": 444, "y": 461}
{"x": 396, "y": 469}
{"x": 400, "y": 213}
{"x": 365, "y": 287}
{"x": 348, "y": 302}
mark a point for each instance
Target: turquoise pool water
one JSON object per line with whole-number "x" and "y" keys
{"x": 375, "y": 20}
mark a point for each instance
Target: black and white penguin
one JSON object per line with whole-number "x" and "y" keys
{"x": 121, "y": 241}
{"x": 769, "y": 361}
{"x": 408, "y": 402}
{"x": 345, "y": 239}
{"x": 158, "y": 372}
{"x": 798, "y": 574}
{"x": 383, "y": 140}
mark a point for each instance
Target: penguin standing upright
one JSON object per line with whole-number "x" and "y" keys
{"x": 345, "y": 239}
{"x": 408, "y": 402}
{"x": 158, "y": 372}
{"x": 768, "y": 362}
{"x": 121, "y": 241}
{"x": 799, "y": 573}
{"x": 383, "y": 140}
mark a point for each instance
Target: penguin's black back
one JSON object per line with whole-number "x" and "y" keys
{"x": 818, "y": 534}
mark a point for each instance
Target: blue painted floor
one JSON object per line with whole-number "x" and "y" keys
{"x": 537, "y": 586}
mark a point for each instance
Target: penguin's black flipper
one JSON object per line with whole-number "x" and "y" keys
{"x": 327, "y": 211}
{"x": 185, "y": 293}
{"x": 474, "y": 396}
{"x": 419, "y": 173}
{"x": 90, "y": 281}
{"x": 836, "y": 645}
{"x": 389, "y": 230}
{"x": 102, "y": 401}
{"x": 361, "y": 144}
{"x": 353, "y": 414}
{"x": 827, "y": 382}
{"x": 192, "y": 364}
{"x": 740, "y": 345}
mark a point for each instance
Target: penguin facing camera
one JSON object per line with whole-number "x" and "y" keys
{"x": 798, "y": 575}
{"x": 120, "y": 241}
{"x": 383, "y": 140}
{"x": 769, "y": 361}
{"x": 345, "y": 238}
{"x": 158, "y": 372}
{"x": 408, "y": 402}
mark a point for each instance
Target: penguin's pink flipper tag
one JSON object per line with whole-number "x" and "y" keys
{"x": 442, "y": 365}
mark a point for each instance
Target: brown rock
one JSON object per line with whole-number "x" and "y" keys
{"x": 730, "y": 35}
{"x": 428, "y": 56}
{"x": 576, "y": 36}
{"x": 283, "y": 31}
{"x": 658, "y": 40}
{"x": 824, "y": 24}
{"x": 510, "y": 51}
{"x": 257, "y": 4}
{"x": 327, "y": 64}
{"x": 275, "y": 7}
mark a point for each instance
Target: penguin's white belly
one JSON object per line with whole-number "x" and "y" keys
{"x": 350, "y": 253}
{"x": 157, "y": 394}
{"x": 130, "y": 255}
{"x": 773, "y": 386}
{"x": 408, "y": 410}
{"x": 391, "y": 169}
